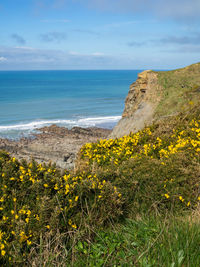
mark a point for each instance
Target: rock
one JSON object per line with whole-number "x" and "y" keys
{"x": 55, "y": 144}
{"x": 140, "y": 104}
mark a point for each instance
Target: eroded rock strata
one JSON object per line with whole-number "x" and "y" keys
{"x": 140, "y": 104}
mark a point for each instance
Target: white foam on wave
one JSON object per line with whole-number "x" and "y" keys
{"x": 83, "y": 122}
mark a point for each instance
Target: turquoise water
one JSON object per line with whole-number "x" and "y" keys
{"x": 32, "y": 99}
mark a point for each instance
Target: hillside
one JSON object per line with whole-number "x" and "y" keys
{"x": 158, "y": 94}
{"x": 131, "y": 201}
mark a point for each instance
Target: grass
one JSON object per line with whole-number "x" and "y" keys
{"x": 148, "y": 241}
{"x": 179, "y": 87}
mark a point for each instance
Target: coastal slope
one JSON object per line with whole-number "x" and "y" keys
{"x": 155, "y": 95}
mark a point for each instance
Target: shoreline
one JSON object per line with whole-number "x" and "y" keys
{"x": 54, "y": 144}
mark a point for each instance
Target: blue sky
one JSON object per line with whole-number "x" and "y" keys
{"x": 99, "y": 34}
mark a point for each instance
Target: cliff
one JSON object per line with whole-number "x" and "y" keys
{"x": 140, "y": 104}
{"x": 155, "y": 95}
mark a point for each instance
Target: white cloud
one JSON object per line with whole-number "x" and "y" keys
{"x": 25, "y": 47}
{"x": 3, "y": 59}
{"x": 96, "y": 54}
{"x": 33, "y": 58}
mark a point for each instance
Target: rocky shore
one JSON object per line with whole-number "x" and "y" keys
{"x": 56, "y": 144}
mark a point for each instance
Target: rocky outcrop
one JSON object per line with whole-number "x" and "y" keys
{"x": 140, "y": 104}
{"x": 54, "y": 143}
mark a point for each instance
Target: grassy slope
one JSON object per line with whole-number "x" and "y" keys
{"x": 179, "y": 87}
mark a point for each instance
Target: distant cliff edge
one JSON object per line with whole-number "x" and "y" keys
{"x": 155, "y": 95}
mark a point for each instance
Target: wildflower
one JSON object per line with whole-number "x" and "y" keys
{"x": 166, "y": 195}
{"x": 3, "y": 252}
{"x": 181, "y": 198}
{"x": 37, "y": 217}
{"x": 74, "y": 226}
{"x": 188, "y": 204}
{"x": 28, "y": 242}
{"x": 56, "y": 187}
{"x": 45, "y": 185}
{"x": 48, "y": 226}
{"x": 28, "y": 213}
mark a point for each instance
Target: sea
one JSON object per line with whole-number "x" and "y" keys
{"x": 32, "y": 99}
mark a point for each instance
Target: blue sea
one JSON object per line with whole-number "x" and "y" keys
{"x": 33, "y": 99}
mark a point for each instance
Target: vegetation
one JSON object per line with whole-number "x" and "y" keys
{"x": 131, "y": 201}
{"x": 178, "y": 87}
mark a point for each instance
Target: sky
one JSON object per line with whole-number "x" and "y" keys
{"x": 99, "y": 34}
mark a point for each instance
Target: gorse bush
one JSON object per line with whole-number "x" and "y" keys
{"x": 152, "y": 171}
{"x": 38, "y": 200}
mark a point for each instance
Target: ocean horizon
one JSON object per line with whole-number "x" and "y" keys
{"x": 87, "y": 98}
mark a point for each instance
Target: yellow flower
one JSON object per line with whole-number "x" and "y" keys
{"x": 181, "y": 198}
{"x": 28, "y": 213}
{"x": 56, "y": 187}
{"x": 100, "y": 196}
{"x": 48, "y": 226}
{"x": 16, "y": 216}
{"x": 27, "y": 220}
{"x": 28, "y": 242}
{"x": 14, "y": 199}
{"x": 166, "y": 195}
{"x": 45, "y": 185}
{"x": 198, "y": 198}
{"x": 3, "y": 252}
{"x": 188, "y": 204}
{"x": 74, "y": 226}
{"x": 76, "y": 198}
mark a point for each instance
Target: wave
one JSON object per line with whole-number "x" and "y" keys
{"x": 82, "y": 122}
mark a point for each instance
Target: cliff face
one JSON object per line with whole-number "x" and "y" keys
{"x": 156, "y": 95}
{"x": 140, "y": 104}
